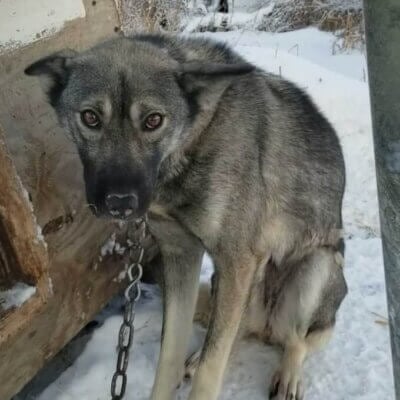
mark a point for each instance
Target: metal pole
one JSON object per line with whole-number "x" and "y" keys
{"x": 383, "y": 48}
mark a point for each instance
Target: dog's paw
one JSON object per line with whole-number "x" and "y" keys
{"x": 286, "y": 385}
{"x": 191, "y": 365}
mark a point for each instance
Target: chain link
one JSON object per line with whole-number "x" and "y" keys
{"x": 127, "y": 329}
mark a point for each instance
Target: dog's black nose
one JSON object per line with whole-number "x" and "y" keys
{"x": 121, "y": 205}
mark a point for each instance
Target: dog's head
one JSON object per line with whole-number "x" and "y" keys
{"x": 128, "y": 105}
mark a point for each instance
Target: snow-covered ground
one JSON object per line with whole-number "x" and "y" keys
{"x": 356, "y": 364}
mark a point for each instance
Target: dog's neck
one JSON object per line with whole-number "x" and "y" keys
{"x": 176, "y": 163}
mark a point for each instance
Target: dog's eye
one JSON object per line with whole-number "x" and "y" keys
{"x": 153, "y": 121}
{"x": 90, "y": 119}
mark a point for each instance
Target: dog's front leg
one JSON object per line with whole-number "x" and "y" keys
{"x": 232, "y": 289}
{"x": 181, "y": 270}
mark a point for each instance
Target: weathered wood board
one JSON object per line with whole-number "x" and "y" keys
{"x": 73, "y": 280}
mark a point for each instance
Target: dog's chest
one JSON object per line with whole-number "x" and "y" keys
{"x": 194, "y": 212}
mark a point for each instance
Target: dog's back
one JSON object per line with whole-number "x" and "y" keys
{"x": 291, "y": 173}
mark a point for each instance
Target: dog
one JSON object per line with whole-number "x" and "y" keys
{"x": 225, "y": 159}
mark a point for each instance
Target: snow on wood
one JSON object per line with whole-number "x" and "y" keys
{"x": 16, "y": 296}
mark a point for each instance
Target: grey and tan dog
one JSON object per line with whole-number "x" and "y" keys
{"x": 226, "y": 159}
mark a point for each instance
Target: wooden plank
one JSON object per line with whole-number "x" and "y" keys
{"x": 80, "y": 281}
{"x": 23, "y": 253}
{"x": 383, "y": 34}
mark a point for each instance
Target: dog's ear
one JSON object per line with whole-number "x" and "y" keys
{"x": 196, "y": 75}
{"x": 53, "y": 72}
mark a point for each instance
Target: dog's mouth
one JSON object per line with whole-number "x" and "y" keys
{"x": 114, "y": 216}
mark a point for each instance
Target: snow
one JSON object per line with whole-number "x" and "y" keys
{"x": 23, "y": 22}
{"x": 39, "y": 234}
{"x": 109, "y": 246}
{"x": 39, "y": 239}
{"x": 236, "y": 20}
{"x": 310, "y": 44}
{"x": 16, "y": 296}
{"x": 356, "y": 364}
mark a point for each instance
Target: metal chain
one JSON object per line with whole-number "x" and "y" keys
{"x": 126, "y": 332}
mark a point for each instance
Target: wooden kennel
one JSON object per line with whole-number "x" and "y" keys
{"x": 48, "y": 237}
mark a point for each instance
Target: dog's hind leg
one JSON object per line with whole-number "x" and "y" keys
{"x": 182, "y": 257}
{"x": 304, "y": 316}
{"x": 287, "y": 382}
